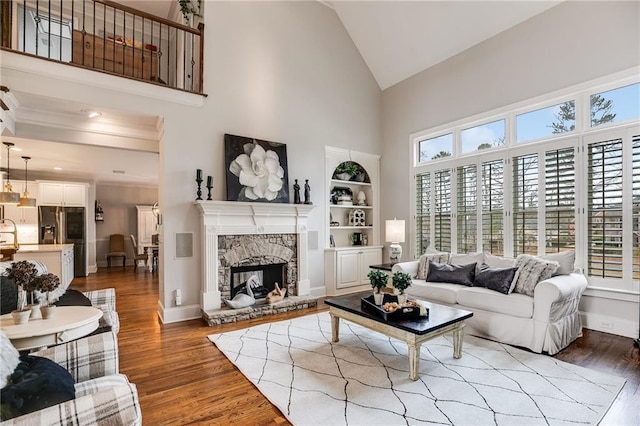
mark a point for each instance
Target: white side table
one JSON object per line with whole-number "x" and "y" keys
{"x": 68, "y": 323}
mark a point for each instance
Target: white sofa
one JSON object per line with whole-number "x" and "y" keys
{"x": 547, "y": 322}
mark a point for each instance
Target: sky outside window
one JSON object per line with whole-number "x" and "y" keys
{"x": 625, "y": 103}
{"x": 537, "y": 124}
{"x": 484, "y": 136}
{"x": 435, "y": 147}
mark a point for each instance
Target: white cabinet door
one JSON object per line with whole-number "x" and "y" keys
{"x": 146, "y": 224}
{"x": 348, "y": 269}
{"x": 51, "y": 194}
{"x": 368, "y": 257}
{"x": 74, "y": 195}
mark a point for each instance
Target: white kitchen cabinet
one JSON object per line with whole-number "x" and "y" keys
{"x": 22, "y": 215}
{"x": 146, "y": 225}
{"x": 62, "y": 194}
{"x": 346, "y": 269}
{"x": 58, "y": 258}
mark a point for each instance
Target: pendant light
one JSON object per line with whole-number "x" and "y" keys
{"x": 8, "y": 196}
{"x": 25, "y": 201}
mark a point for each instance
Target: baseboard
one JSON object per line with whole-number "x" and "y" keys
{"x": 608, "y": 324}
{"x": 178, "y": 313}
{"x": 318, "y": 292}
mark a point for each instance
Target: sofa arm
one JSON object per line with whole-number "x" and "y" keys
{"x": 105, "y": 296}
{"x": 410, "y": 267}
{"x": 86, "y": 358}
{"x": 558, "y": 296}
{"x": 111, "y": 400}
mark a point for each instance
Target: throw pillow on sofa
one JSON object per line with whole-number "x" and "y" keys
{"x": 423, "y": 266}
{"x": 532, "y": 270}
{"x": 566, "y": 259}
{"x": 454, "y": 274}
{"x": 499, "y": 261}
{"x": 467, "y": 258}
{"x": 497, "y": 279}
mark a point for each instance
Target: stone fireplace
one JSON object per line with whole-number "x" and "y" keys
{"x": 239, "y": 235}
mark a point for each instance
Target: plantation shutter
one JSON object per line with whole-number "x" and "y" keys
{"x": 635, "y": 200}
{"x": 604, "y": 209}
{"x": 442, "y": 210}
{"x": 560, "y": 182}
{"x": 525, "y": 204}
{"x": 493, "y": 207}
{"x": 423, "y": 212}
{"x": 467, "y": 209}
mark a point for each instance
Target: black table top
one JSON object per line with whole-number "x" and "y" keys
{"x": 439, "y": 315}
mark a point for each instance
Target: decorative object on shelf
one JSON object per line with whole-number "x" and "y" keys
{"x": 296, "y": 192}
{"x": 356, "y": 238}
{"x": 307, "y": 192}
{"x": 99, "y": 212}
{"x": 362, "y": 198}
{"x": 356, "y": 217}
{"x": 199, "y": 181}
{"x": 332, "y": 241}
{"x": 365, "y": 240}
{"x": 25, "y": 201}
{"x": 378, "y": 280}
{"x": 341, "y": 196}
{"x": 209, "y": 187}
{"x": 256, "y": 170}
{"x": 345, "y": 170}
{"x": 394, "y": 234}
{"x": 7, "y": 196}
{"x": 401, "y": 281}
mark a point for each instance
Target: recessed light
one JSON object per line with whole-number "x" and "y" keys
{"x": 57, "y": 168}
{"x": 91, "y": 113}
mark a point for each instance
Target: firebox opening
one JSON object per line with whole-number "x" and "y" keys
{"x": 261, "y": 278}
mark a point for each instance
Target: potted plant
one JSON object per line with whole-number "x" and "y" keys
{"x": 401, "y": 281}
{"x": 378, "y": 281}
{"x": 46, "y": 283}
{"x": 23, "y": 274}
{"x": 346, "y": 170}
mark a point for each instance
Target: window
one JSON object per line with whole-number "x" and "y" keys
{"x": 546, "y": 122}
{"x": 423, "y": 212}
{"x": 604, "y": 209}
{"x": 525, "y": 204}
{"x": 616, "y": 105}
{"x": 493, "y": 207}
{"x": 442, "y": 210}
{"x": 482, "y": 137}
{"x": 435, "y": 148}
{"x": 467, "y": 209}
{"x": 559, "y": 188}
{"x": 635, "y": 201}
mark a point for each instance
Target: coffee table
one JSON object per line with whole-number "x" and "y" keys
{"x": 441, "y": 320}
{"x": 68, "y": 323}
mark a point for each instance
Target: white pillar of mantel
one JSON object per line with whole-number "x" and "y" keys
{"x": 239, "y": 218}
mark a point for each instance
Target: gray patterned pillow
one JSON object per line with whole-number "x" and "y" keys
{"x": 423, "y": 266}
{"x": 532, "y": 270}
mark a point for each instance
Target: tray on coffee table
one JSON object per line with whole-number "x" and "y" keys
{"x": 404, "y": 313}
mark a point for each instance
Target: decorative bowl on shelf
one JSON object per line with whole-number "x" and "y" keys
{"x": 343, "y": 176}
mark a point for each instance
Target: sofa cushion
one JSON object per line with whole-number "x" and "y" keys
{"x": 8, "y": 295}
{"x": 532, "y": 270}
{"x": 566, "y": 259}
{"x": 423, "y": 266}
{"x": 516, "y": 305}
{"x": 435, "y": 292}
{"x": 73, "y": 298}
{"x": 465, "y": 259}
{"x": 499, "y": 261}
{"x": 498, "y": 279}
{"x": 454, "y": 274}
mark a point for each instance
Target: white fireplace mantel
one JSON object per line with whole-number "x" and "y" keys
{"x": 239, "y": 218}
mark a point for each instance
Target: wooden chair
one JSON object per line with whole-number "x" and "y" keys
{"x": 137, "y": 256}
{"x": 116, "y": 249}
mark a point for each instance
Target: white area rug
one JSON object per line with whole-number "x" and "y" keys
{"x": 364, "y": 379}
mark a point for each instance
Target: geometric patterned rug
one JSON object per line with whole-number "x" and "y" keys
{"x": 364, "y": 378}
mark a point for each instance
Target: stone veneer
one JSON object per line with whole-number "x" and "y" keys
{"x": 255, "y": 250}
{"x": 227, "y": 315}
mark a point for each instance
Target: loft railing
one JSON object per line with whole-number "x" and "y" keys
{"x": 108, "y": 37}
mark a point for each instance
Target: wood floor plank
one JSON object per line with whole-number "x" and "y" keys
{"x": 182, "y": 378}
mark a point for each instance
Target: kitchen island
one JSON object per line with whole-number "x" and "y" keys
{"x": 58, "y": 258}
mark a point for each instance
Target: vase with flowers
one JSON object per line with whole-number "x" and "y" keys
{"x": 378, "y": 281}
{"x": 23, "y": 274}
{"x": 46, "y": 283}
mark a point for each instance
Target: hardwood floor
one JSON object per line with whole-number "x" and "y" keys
{"x": 182, "y": 378}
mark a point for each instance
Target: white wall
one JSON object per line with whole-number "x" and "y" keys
{"x": 569, "y": 44}
{"x": 281, "y": 71}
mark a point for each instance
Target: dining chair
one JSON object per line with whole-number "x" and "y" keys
{"x": 136, "y": 255}
{"x": 116, "y": 249}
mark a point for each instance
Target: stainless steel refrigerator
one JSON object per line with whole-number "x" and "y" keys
{"x": 65, "y": 225}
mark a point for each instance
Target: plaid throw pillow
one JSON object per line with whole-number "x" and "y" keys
{"x": 423, "y": 266}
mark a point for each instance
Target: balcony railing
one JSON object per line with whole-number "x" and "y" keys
{"x": 108, "y": 37}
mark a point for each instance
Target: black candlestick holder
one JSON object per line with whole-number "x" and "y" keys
{"x": 199, "y": 189}
{"x": 209, "y": 188}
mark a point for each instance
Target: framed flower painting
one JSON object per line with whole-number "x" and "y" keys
{"x": 256, "y": 170}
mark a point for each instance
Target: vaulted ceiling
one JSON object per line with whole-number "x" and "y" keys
{"x": 396, "y": 39}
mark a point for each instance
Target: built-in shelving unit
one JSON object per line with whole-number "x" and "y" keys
{"x": 353, "y": 234}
